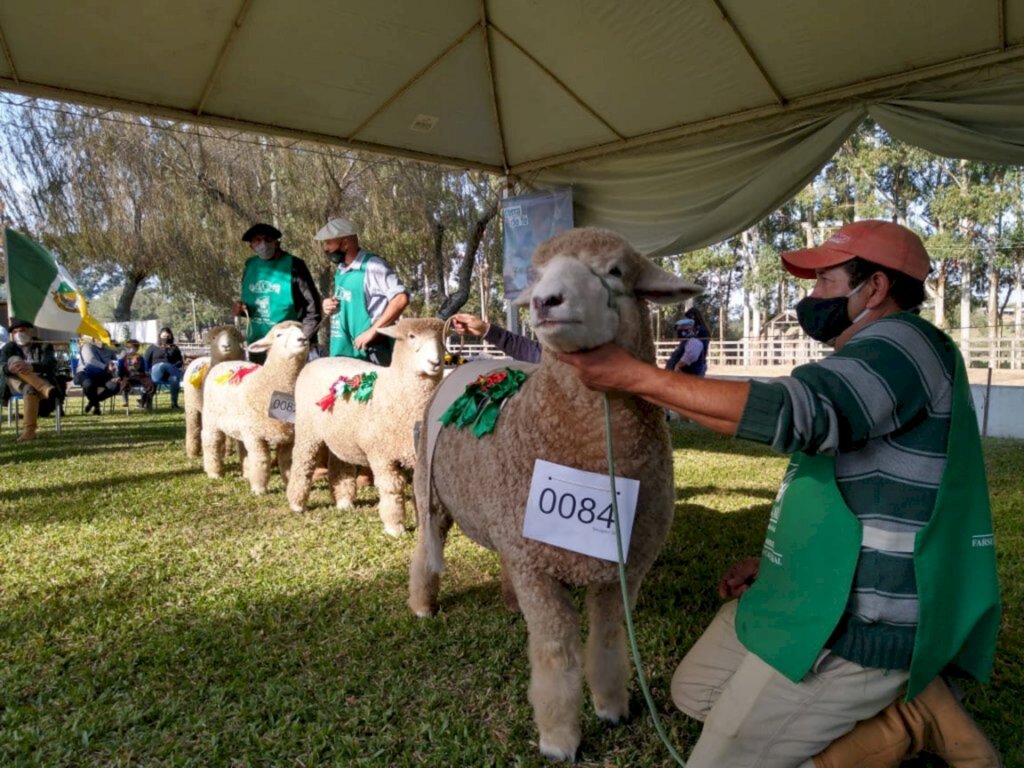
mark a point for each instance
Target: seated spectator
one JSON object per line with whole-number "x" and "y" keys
{"x": 691, "y": 356}
{"x": 132, "y": 372}
{"x": 165, "y": 364}
{"x": 96, "y": 374}
{"x": 28, "y": 367}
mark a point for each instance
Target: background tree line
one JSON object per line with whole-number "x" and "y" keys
{"x": 149, "y": 214}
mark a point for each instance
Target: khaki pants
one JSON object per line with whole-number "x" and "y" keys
{"x": 756, "y": 718}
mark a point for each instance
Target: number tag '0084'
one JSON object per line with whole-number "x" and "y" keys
{"x": 572, "y": 509}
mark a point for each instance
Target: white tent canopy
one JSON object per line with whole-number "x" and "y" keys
{"x": 677, "y": 123}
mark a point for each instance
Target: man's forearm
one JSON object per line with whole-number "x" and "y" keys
{"x": 391, "y": 311}
{"x": 714, "y": 403}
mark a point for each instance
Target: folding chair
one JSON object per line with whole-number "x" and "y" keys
{"x": 14, "y": 413}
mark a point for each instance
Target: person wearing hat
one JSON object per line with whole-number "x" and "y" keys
{"x": 29, "y": 368}
{"x": 367, "y": 295}
{"x": 276, "y": 286}
{"x": 878, "y": 570}
{"x": 691, "y": 356}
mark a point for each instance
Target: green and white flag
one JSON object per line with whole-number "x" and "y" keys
{"x": 41, "y": 291}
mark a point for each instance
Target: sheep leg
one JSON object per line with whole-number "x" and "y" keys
{"x": 428, "y": 562}
{"x": 213, "y": 452}
{"x": 239, "y": 448}
{"x": 607, "y": 661}
{"x": 556, "y": 685}
{"x": 193, "y": 432}
{"x": 258, "y": 463}
{"x": 391, "y": 485}
{"x": 342, "y": 478}
{"x": 304, "y": 461}
{"x": 284, "y": 460}
{"x": 508, "y": 591}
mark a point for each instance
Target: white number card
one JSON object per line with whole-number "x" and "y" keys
{"x": 282, "y": 407}
{"x": 572, "y": 509}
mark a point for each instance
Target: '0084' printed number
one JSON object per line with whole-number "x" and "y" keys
{"x": 568, "y": 506}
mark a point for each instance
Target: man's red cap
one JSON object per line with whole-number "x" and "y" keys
{"x": 880, "y": 242}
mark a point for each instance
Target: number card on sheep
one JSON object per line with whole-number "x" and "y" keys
{"x": 572, "y": 509}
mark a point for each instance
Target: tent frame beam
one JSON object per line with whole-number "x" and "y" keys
{"x": 218, "y": 65}
{"x": 782, "y": 100}
{"x": 411, "y": 82}
{"x": 859, "y": 91}
{"x": 10, "y": 59}
{"x": 561, "y": 84}
{"x": 853, "y": 92}
{"x": 485, "y": 25}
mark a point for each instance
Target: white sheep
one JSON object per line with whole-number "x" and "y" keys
{"x": 590, "y": 289}
{"x": 378, "y": 432}
{"x": 225, "y": 345}
{"x": 236, "y": 399}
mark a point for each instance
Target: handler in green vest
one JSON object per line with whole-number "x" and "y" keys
{"x": 367, "y": 296}
{"x": 878, "y": 570}
{"x": 276, "y": 286}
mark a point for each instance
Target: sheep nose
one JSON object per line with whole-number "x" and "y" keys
{"x": 547, "y": 302}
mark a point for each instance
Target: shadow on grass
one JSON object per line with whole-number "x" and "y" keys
{"x": 81, "y": 487}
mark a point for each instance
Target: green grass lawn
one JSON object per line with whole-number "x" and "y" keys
{"x": 149, "y": 616}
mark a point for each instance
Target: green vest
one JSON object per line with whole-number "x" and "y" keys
{"x": 352, "y": 317}
{"x": 267, "y": 293}
{"x": 813, "y": 544}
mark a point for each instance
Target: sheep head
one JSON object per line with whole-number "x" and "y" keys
{"x": 226, "y": 343}
{"x": 589, "y": 290}
{"x": 285, "y": 341}
{"x": 418, "y": 345}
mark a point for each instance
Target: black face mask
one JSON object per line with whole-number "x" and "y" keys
{"x": 337, "y": 257}
{"x": 825, "y": 319}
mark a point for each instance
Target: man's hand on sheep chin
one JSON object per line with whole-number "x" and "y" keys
{"x": 606, "y": 368}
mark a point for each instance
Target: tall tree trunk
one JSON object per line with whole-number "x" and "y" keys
{"x": 993, "y": 314}
{"x": 940, "y": 295}
{"x": 453, "y": 303}
{"x": 442, "y": 280}
{"x": 123, "y": 310}
{"x": 1018, "y": 315}
{"x": 965, "y": 311}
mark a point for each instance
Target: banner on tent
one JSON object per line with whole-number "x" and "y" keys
{"x": 529, "y": 220}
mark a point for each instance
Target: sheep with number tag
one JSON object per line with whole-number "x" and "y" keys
{"x": 591, "y": 287}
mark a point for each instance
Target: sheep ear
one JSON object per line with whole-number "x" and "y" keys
{"x": 523, "y": 299}
{"x": 392, "y": 331}
{"x": 262, "y": 345}
{"x": 655, "y": 284}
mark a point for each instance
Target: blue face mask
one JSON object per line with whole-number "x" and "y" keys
{"x": 826, "y": 319}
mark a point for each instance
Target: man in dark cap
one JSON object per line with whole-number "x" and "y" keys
{"x": 276, "y": 286}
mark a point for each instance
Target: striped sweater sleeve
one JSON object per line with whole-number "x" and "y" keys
{"x": 882, "y": 380}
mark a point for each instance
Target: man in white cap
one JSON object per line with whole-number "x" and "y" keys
{"x": 367, "y": 296}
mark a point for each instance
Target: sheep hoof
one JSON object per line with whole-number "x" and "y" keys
{"x": 297, "y": 509}
{"x": 612, "y": 715}
{"x": 259, "y": 491}
{"x": 395, "y": 531}
{"x": 555, "y": 752}
{"x": 343, "y": 504}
